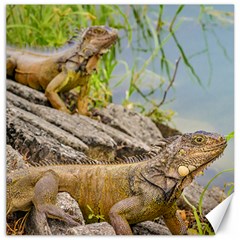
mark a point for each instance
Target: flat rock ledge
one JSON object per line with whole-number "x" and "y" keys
{"x": 102, "y": 228}
{"x": 38, "y": 131}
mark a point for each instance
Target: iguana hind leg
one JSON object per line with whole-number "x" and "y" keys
{"x": 123, "y": 212}
{"x": 44, "y": 199}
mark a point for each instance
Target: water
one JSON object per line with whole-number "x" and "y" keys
{"x": 209, "y": 107}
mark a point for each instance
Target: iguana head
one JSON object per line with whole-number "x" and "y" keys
{"x": 96, "y": 40}
{"x": 183, "y": 157}
{"x": 192, "y": 153}
{"x": 87, "y": 47}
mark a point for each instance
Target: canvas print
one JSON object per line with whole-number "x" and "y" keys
{"x": 119, "y": 118}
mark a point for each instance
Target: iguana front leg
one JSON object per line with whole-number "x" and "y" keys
{"x": 82, "y": 103}
{"x": 66, "y": 81}
{"x": 123, "y": 212}
{"x": 55, "y": 86}
{"x": 133, "y": 209}
{"x": 174, "y": 222}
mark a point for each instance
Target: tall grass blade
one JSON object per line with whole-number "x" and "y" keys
{"x": 199, "y": 225}
{"x": 207, "y": 186}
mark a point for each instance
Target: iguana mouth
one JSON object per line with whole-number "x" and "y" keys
{"x": 204, "y": 166}
{"x": 221, "y": 146}
{"x": 106, "y": 47}
{"x": 191, "y": 170}
{"x": 199, "y": 171}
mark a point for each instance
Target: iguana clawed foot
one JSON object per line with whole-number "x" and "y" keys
{"x": 44, "y": 199}
{"x": 39, "y": 218}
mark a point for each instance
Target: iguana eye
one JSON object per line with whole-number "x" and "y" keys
{"x": 199, "y": 139}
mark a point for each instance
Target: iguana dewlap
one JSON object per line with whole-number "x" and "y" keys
{"x": 124, "y": 193}
{"x": 64, "y": 70}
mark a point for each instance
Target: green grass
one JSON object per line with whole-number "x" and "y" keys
{"x": 202, "y": 227}
{"x": 94, "y": 216}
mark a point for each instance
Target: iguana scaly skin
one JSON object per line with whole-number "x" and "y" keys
{"x": 123, "y": 193}
{"x": 62, "y": 71}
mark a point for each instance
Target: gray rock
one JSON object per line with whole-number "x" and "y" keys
{"x": 33, "y": 140}
{"x": 14, "y": 159}
{"x": 166, "y": 130}
{"x": 217, "y": 193}
{"x": 104, "y": 142}
{"x": 150, "y": 228}
{"x": 55, "y": 132}
{"x": 210, "y": 200}
{"x": 102, "y": 228}
{"x": 81, "y": 130}
{"x": 133, "y": 124}
{"x": 70, "y": 206}
{"x": 23, "y": 92}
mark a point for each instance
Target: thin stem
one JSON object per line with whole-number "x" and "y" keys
{"x": 167, "y": 89}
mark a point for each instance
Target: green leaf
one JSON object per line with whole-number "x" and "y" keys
{"x": 90, "y": 216}
{"x": 230, "y": 136}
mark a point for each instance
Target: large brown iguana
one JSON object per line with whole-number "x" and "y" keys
{"x": 64, "y": 70}
{"x": 123, "y": 193}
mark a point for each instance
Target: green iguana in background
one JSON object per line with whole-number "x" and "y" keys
{"x": 65, "y": 69}
{"x": 124, "y": 193}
